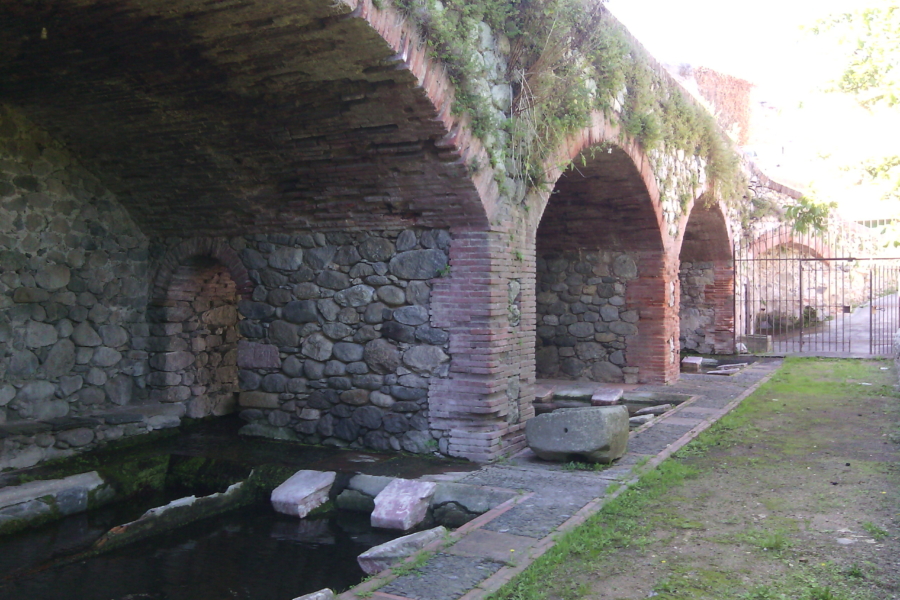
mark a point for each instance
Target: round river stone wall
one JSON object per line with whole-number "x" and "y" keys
{"x": 583, "y": 321}
{"x": 336, "y": 344}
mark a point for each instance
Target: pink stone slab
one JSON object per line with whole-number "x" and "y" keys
{"x": 302, "y": 492}
{"x": 691, "y": 364}
{"x": 403, "y": 504}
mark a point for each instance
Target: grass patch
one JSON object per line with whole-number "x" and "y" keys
{"x": 621, "y": 523}
{"x": 874, "y": 530}
{"x": 782, "y": 429}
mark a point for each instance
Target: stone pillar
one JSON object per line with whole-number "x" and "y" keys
{"x": 480, "y": 409}
{"x": 655, "y": 293}
{"x": 722, "y": 299}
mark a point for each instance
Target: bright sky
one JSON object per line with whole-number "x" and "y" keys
{"x": 763, "y": 42}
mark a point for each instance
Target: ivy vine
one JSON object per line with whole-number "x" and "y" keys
{"x": 566, "y": 59}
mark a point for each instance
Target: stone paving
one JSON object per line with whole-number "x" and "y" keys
{"x": 489, "y": 551}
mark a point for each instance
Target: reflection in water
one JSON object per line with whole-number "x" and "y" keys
{"x": 250, "y": 554}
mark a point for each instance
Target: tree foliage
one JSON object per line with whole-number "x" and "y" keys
{"x": 871, "y": 73}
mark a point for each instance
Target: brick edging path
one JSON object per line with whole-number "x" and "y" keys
{"x": 487, "y": 552}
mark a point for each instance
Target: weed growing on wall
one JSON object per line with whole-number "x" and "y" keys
{"x": 566, "y": 59}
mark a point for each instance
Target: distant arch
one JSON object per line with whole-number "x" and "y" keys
{"x": 785, "y": 236}
{"x": 706, "y": 275}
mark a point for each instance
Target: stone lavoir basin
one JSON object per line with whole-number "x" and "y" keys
{"x": 188, "y": 517}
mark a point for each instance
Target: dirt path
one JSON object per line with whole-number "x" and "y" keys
{"x": 794, "y": 495}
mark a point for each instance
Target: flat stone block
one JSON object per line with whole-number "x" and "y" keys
{"x": 403, "y": 504}
{"x": 52, "y": 487}
{"x": 302, "y": 492}
{"x": 493, "y": 545}
{"x": 252, "y": 355}
{"x": 325, "y": 594}
{"x": 691, "y": 364}
{"x": 607, "y": 396}
{"x": 377, "y": 559}
{"x": 473, "y": 498}
{"x": 597, "y": 434}
{"x": 258, "y": 400}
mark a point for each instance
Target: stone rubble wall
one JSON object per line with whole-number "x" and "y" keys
{"x": 697, "y": 312}
{"x": 336, "y": 344}
{"x": 584, "y": 323}
{"x": 680, "y": 178}
{"x": 194, "y": 339}
{"x": 73, "y": 292}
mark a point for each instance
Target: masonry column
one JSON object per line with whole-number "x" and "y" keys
{"x": 721, "y": 296}
{"x": 656, "y": 294}
{"x": 479, "y": 411}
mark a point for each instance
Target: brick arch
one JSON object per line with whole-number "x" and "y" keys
{"x": 706, "y": 274}
{"x": 787, "y": 237}
{"x": 215, "y": 248}
{"x": 604, "y": 216}
{"x": 256, "y": 116}
{"x": 706, "y": 235}
{"x": 604, "y": 149}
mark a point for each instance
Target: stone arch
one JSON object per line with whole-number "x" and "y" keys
{"x": 771, "y": 282}
{"x": 785, "y": 236}
{"x": 193, "y": 320}
{"x": 706, "y": 275}
{"x": 605, "y": 277}
{"x": 215, "y": 248}
{"x": 352, "y": 126}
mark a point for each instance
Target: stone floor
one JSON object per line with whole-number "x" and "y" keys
{"x": 487, "y": 552}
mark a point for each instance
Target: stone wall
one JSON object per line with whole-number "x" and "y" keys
{"x": 584, "y": 323}
{"x": 697, "y": 312}
{"x": 336, "y": 343}
{"x": 73, "y": 291}
{"x": 194, "y": 339}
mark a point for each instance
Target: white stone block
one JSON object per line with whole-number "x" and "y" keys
{"x": 303, "y": 492}
{"x": 377, "y": 559}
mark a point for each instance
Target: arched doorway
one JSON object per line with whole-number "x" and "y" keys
{"x": 194, "y": 330}
{"x": 706, "y": 275}
{"x": 603, "y": 286}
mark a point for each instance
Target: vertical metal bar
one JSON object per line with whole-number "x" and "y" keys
{"x": 800, "y": 263}
{"x": 871, "y": 305}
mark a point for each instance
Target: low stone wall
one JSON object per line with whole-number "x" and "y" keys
{"x": 583, "y": 321}
{"x": 336, "y": 344}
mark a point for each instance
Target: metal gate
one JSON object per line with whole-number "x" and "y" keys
{"x": 808, "y": 294}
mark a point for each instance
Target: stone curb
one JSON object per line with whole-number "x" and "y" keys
{"x": 506, "y": 573}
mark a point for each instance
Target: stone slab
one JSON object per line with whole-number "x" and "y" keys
{"x": 607, "y": 396}
{"x": 597, "y": 434}
{"x": 492, "y": 545}
{"x": 52, "y": 487}
{"x": 691, "y": 364}
{"x": 381, "y": 557}
{"x": 657, "y": 438}
{"x": 303, "y": 492}
{"x": 324, "y": 594}
{"x": 444, "y": 577}
{"x": 473, "y": 498}
{"x": 402, "y": 504}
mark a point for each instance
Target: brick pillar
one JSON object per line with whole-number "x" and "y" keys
{"x": 721, "y": 296}
{"x": 480, "y": 409}
{"x": 656, "y": 294}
